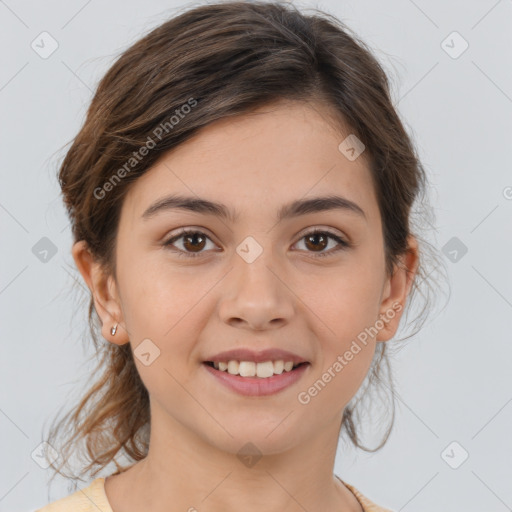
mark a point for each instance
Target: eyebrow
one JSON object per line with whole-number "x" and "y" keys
{"x": 287, "y": 211}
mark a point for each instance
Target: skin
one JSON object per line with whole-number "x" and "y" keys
{"x": 288, "y": 297}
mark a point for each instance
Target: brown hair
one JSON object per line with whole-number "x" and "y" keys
{"x": 208, "y": 63}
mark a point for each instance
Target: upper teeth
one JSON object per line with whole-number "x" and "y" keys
{"x": 252, "y": 369}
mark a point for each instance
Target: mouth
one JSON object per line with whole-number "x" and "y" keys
{"x": 250, "y": 379}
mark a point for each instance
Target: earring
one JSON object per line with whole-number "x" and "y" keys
{"x": 113, "y": 330}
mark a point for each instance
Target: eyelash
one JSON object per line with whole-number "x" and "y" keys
{"x": 343, "y": 244}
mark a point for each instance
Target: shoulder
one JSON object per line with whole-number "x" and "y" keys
{"x": 89, "y": 499}
{"x": 366, "y": 503}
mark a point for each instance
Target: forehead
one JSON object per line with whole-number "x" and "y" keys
{"x": 256, "y": 162}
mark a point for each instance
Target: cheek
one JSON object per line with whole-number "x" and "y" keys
{"x": 346, "y": 301}
{"x": 343, "y": 309}
{"x": 343, "y": 314}
{"x": 157, "y": 294}
{"x": 167, "y": 306}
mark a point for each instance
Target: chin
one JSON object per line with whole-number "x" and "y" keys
{"x": 255, "y": 439}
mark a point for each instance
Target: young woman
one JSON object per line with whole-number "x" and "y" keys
{"x": 240, "y": 197}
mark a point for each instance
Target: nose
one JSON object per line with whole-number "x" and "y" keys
{"x": 256, "y": 295}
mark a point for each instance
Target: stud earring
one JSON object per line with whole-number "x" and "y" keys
{"x": 113, "y": 330}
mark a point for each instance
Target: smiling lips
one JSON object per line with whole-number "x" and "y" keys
{"x": 262, "y": 364}
{"x": 253, "y": 373}
{"x": 257, "y": 386}
{"x": 252, "y": 369}
{"x": 245, "y": 354}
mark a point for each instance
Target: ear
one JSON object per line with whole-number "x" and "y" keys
{"x": 396, "y": 289}
{"x": 104, "y": 291}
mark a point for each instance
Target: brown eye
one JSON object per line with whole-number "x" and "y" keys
{"x": 318, "y": 240}
{"x": 192, "y": 241}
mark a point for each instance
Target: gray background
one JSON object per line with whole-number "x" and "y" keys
{"x": 454, "y": 378}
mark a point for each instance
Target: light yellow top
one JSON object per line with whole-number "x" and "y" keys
{"x": 94, "y": 499}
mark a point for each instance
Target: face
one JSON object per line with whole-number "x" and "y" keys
{"x": 253, "y": 279}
